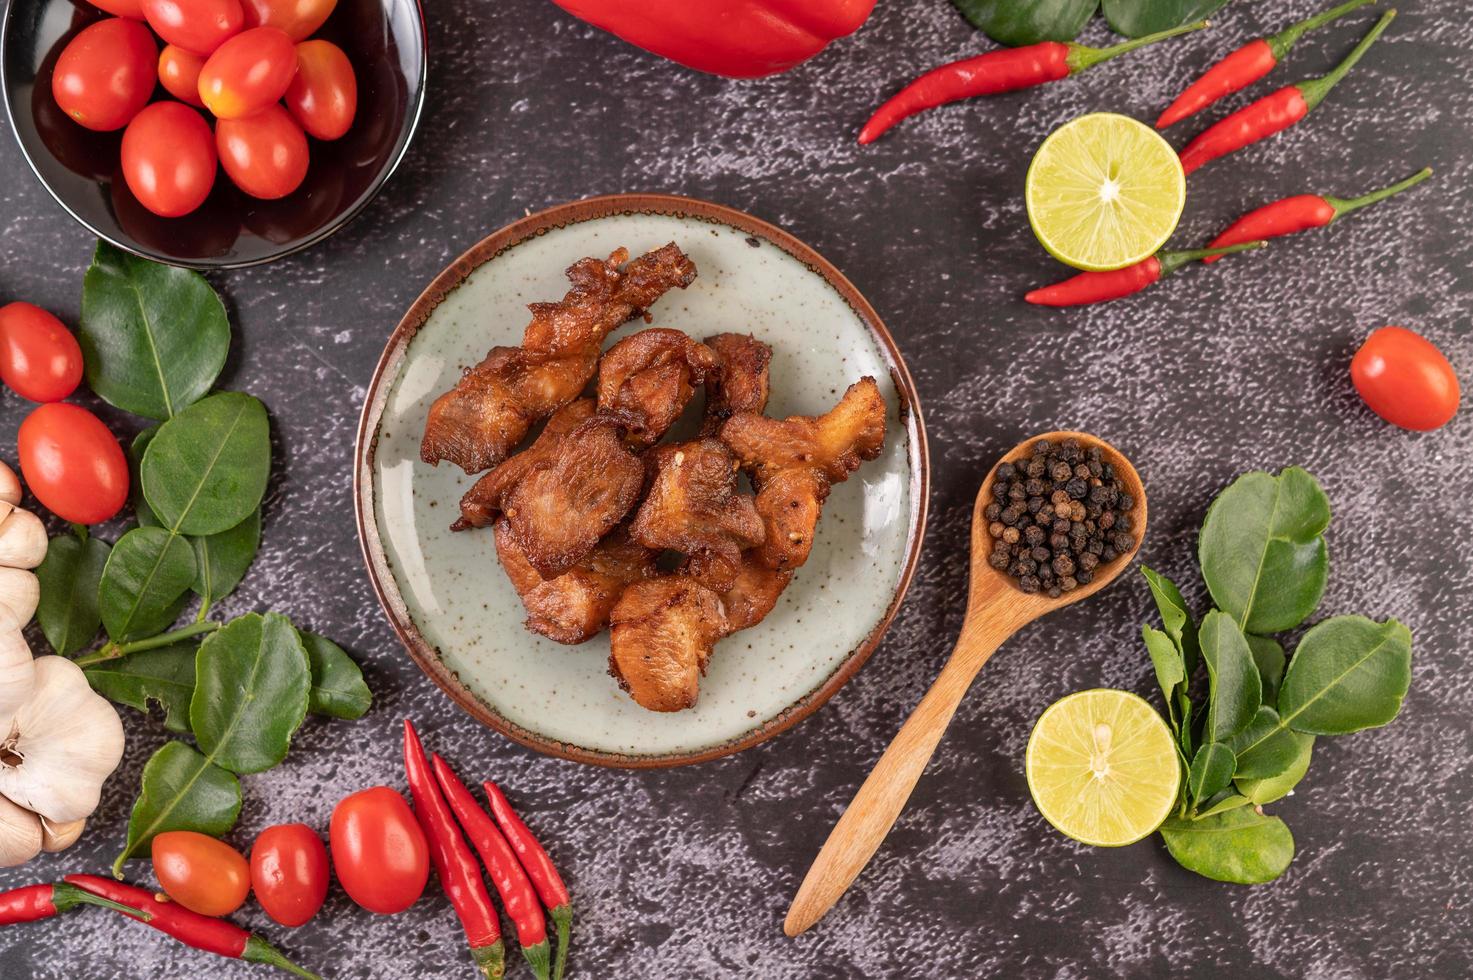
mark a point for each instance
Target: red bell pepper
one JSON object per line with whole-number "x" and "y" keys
{"x": 736, "y": 38}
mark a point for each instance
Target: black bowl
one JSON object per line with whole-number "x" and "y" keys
{"x": 384, "y": 40}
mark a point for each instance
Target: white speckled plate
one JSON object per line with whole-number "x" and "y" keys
{"x": 449, "y": 601}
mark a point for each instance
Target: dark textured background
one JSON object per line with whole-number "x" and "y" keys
{"x": 687, "y": 873}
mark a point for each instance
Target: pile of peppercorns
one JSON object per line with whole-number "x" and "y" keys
{"x": 1056, "y": 516}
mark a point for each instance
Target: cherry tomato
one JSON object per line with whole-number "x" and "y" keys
{"x": 72, "y": 463}
{"x": 169, "y": 158}
{"x": 324, "y": 95}
{"x": 201, "y": 873}
{"x": 179, "y": 74}
{"x": 106, "y": 74}
{"x": 248, "y": 72}
{"x": 265, "y": 154}
{"x": 197, "y": 26}
{"x": 299, "y": 18}
{"x": 289, "y": 873}
{"x": 120, "y": 8}
{"x": 379, "y": 850}
{"x": 40, "y": 358}
{"x": 1405, "y": 379}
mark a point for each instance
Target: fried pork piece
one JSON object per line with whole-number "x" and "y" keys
{"x": 740, "y": 381}
{"x": 479, "y": 421}
{"x": 754, "y": 592}
{"x": 663, "y": 630}
{"x": 794, "y": 462}
{"x": 483, "y": 501}
{"x": 646, "y": 379}
{"x": 575, "y": 606}
{"x": 564, "y": 504}
{"x": 693, "y": 507}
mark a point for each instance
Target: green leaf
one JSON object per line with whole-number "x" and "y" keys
{"x": 252, "y": 683}
{"x": 1262, "y": 549}
{"x": 1016, "y": 23}
{"x": 1176, "y": 618}
{"x": 1211, "y": 772}
{"x": 144, "y": 513}
{"x": 1348, "y": 673}
{"x": 206, "y": 470}
{"x": 338, "y": 690}
{"x": 153, "y": 337}
{"x": 143, "y": 583}
{"x": 1266, "y": 748}
{"x": 69, "y": 577}
{"x": 1234, "y": 690}
{"x": 181, "y": 791}
{"x": 1222, "y": 803}
{"x": 1185, "y": 735}
{"x": 1137, "y": 18}
{"x": 221, "y": 560}
{"x": 1269, "y": 656}
{"x": 1265, "y": 791}
{"x": 163, "y": 677}
{"x": 1240, "y": 846}
{"x": 1166, "y": 658}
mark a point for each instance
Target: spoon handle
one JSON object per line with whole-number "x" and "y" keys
{"x": 877, "y": 805}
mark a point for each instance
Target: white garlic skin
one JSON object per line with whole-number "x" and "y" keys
{"x": 59, "y": 836}
{"x": 20, "y": 593}
{"x": 22, "y": 540}
{"x": 20, "y": 834}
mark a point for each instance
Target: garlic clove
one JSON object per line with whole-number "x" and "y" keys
{"x": 9, "y": 485}
{"x": 20, "y": 834}
{"x": 59, "y": 836}
{"x": 22, "y": 540}
{"x": 20, "y": 593}
{"x": 17, "y": 668}
{"x": 62, "y": 744}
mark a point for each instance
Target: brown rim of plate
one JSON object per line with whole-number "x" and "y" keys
{"x": 427, "y": 657}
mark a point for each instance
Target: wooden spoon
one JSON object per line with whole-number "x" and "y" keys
{"x": 996, "y": 609}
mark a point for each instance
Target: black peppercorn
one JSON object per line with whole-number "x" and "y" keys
{"x": 1006, "y": 472}
{"x": 1029, "y": 584}
{"x": 1077, "y": 488}
{"x": 1064, "y": 565}
{"x": 992, "y": 510}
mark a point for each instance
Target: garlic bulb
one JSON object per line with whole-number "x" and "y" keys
{"x": 59, "y": 747}
{"x": 22, "y": 540}
{"x": 20, "y": 834}
{"x": 9, "y": 490}
{"x": 20, "y": 592}
{"x": 17, "y": 670}
{"x": 59, "y": 836}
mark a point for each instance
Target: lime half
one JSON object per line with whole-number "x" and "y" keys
{"x": 1102, "y": 767}
{"x": 1104, "y": 191}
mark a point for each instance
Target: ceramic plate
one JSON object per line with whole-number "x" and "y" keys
{"x": 448, "y": 599}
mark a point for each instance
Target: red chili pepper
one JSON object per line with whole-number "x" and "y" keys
{"x": 454, "y": 863}
{"x": 506, "y": 872}
{"x": 539, "y": 868}
{"x": 190, "y": 928}
{"x": 1304, "y": 211}
{"x": 996, "y": 72}
{"x": 36, "y": 902}
{"x": 1100, "y": 287}
{"x": 1272, "y": 113}
{"x": 1246, "y": 65}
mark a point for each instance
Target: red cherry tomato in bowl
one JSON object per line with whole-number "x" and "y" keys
{"x": 248, "y": 72}
{"x": 179, "y": 74}
{"x": 379, "y": 851}
{"x": 1405, "y": 379}
{"x": 324, "y": 95}
{"x": 169, "y": 158}
{"x": 289, "y": 873}
{"x": 201, "y": 873}
{"x": 199, "y": 26}
{"x": 299, "y": 18}
{"x": 120, "y": 8}
{"x": 265, "y": 154}
{"x": 72, "y": 463}
{"x": 106, "y": 74}
{"x": 40, "y": 358}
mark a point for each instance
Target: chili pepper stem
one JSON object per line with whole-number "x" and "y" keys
{"x": 1081, "y": 57}
{"x": 539, "y": 958}
{"x": 562, "y": 918}
{"x": 490, "y": 960}
{"x": 1344, "y": 206}
{"x": 1315, "y": 89}
{"x": 1172, "y": 261}
{"x": 258, "y": 950}
{"x": 67, "y": 897}
{"x": 1289, "y": 36}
